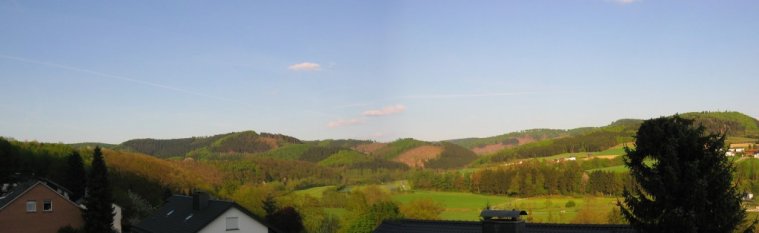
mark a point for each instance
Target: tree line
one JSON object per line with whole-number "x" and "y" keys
{"x": 532, "y": 178}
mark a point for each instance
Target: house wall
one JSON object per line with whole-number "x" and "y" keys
{"x": 14, "y": 218}
{"x": 245, "y": 223}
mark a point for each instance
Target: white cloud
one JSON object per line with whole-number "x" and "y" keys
{"x": 344, "y": 122}
{"x": 389, "y": 110}
{"x": 305, "y": 66}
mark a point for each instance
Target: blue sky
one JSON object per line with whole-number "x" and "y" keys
{"x": 74, "y": 71}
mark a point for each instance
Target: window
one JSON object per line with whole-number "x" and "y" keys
{"x": 31, "y": 206}
{"x": 232, "y": 224}
{"x": 47, "y": 205}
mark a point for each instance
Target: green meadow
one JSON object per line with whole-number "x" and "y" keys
{"x": 467, "y": 206}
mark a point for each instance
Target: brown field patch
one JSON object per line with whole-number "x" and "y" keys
{"x": 369, "y": 148}
{"x": 418, "y": 156}
{"x": 492, "y": 148}
{"x": 489, "y": 149}
{"x": 602, "y": 157}
{"x": 271, "y": 142}
{"x": 525, "y": 140}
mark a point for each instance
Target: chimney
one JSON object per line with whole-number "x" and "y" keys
{"x": 199, "y": 200}
{"x": 502, "y": 221}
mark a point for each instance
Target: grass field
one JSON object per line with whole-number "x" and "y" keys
{"x": 467, "y": 206}
{"x": 314, "y": 192}
{"x": 616, "y": 150}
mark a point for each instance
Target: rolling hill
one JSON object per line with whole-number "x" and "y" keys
{"x": 409, "y": 152}
{"x": 593, "y": 139}
{"x": 239, "y": 142}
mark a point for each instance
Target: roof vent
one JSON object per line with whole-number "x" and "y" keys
{"x": 503, "y": 221}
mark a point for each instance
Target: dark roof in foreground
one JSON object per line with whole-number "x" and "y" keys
{"x": 20, "y": 188}
{"x": 15, "y": 192}
{"x": 177, "y": 215}
{"x": 430, "y": 226}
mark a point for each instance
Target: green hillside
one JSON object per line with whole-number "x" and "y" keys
{"x": 510, "y": 138}
{"x": 734, "y": 124}
{"x": 397, "y": 147}
{"x": 83, "y": 145}
{"x": 165, "y": 148}
{"x": 453, "y": 156}
{"x": 345, "y": 158}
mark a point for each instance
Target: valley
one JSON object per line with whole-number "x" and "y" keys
{"x": 556, "y": 175}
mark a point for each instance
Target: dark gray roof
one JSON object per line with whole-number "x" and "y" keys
{"x": 502, "y": 213}
{"x": 429, "y": 226}
{"x": 15, "y": 192}
{"x": 23, "y": 186}
{"x": 172, "y": 217}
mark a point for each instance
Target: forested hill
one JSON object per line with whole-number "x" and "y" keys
{"x": 420, "y": 154}
{"x": 240, "y": 142}
{"x": 735, "y": 125}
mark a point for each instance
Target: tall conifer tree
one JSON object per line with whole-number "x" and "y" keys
{"x": 98, "y": 217}
{"x": 687, "y": 187}
{"x": 76, "y": 177}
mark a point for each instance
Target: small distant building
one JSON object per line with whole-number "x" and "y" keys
{"x": 747, "y": 196}
{"x": 197, "y": 213}
{"x": 752, "y": 152}
{"x": 740, "y": 147}
{"x": 37, "y": 206}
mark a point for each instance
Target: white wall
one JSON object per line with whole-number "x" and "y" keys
{"x": 117, "y": 218}
{"x": 245, "y": 223}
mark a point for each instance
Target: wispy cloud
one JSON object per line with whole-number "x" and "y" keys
{"x": 111, "y": 76}
{"x": 625, "y": 2}
{"x": 389, "y": 110}
{"x": 356, "y": 105}
{"x": 344, "y": 122}
{"x": 305, "y": 66}
{"x": 469, "y": 95}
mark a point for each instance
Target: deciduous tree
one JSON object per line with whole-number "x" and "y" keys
{"x": 422, "y": 209}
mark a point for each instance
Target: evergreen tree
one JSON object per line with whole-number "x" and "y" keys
{"x": 287, "y": 219}
{"x": 8, "y": 160}
{"x": 76, "y": 177}
{"x": 98, "y": 215}
{"x": 688, "y": 187}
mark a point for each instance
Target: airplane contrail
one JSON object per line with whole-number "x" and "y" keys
{"x": 111, "y": 76}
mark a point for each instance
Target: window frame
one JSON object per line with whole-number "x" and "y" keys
{"x": 47, "y": 201}
{"x": 32, "y": 204}
{"x": 236, "y": 222}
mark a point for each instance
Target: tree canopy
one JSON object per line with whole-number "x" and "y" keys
{"x": 689, "y": 186}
